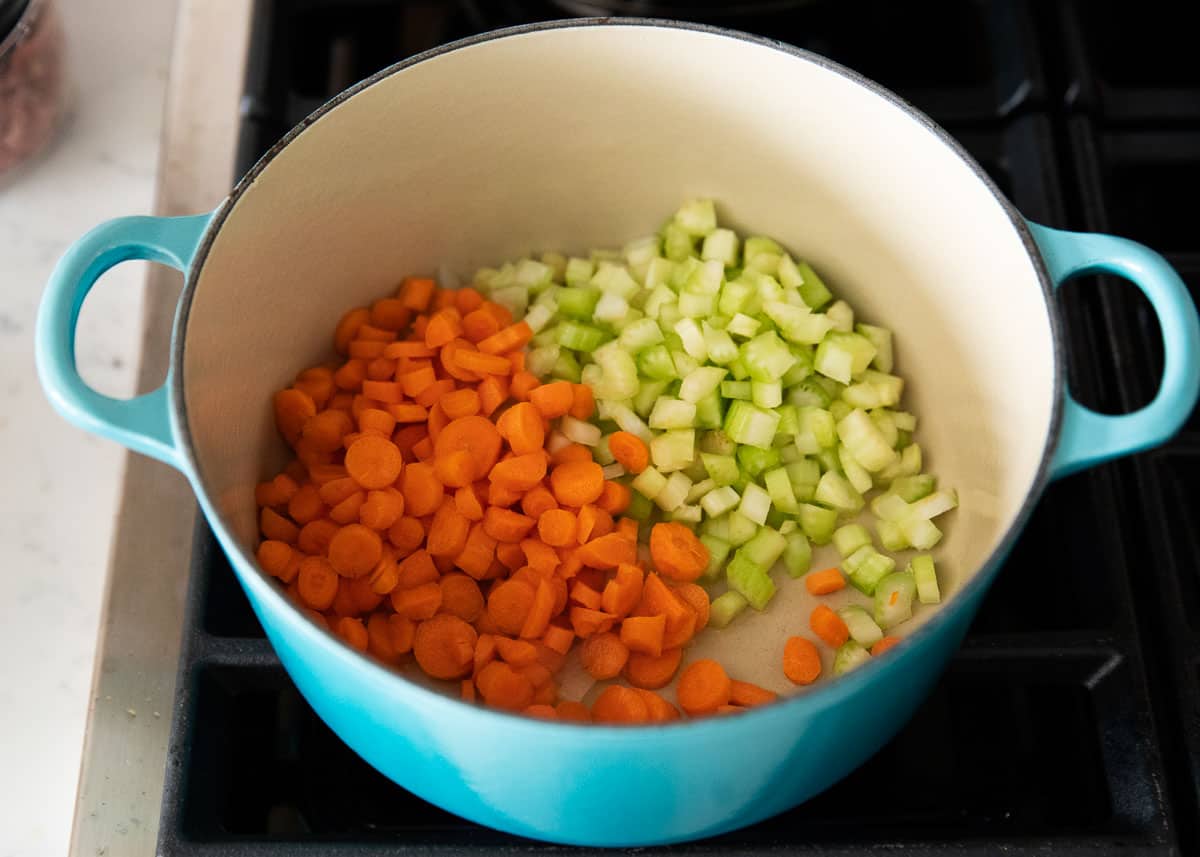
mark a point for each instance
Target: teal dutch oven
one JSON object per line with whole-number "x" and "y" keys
{"x": 570, "y": 135}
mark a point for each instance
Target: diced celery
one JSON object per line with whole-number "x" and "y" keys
{"x": 891, "y": 536}
{"x": 755, "y": 504}
{"x": 850, "y": 538}
{"x": 718, "y": 552}
{"x": 647, "y": 395}
{"x": 797, "y": 556}
{"x": 698, "y": 489}
{"x": 721, "y": 245}
{"x": 743, "y": 325}
{"x": 841, "y": 356}
{"x": 540, "y": 361}
{"x": 639, "y": 335}
{"x": 579, "y": 431}
{"x": 737, "y": 390}
{"x": 615, "y": 470}
{"x": 658, "y": 272}
{"x": 686, "y": 513}
{"x": 804, "y": 475}
{"x": 717, "y": 527}
{"x": 839, "y": 409}
{"x": 640, "y": 507}
{"x": 513, "y": 298}
{"x": 720, "y": 500}
{"x": 786, "y": 430}
{"x": 863, "y": 629}
{"x": 767, "y": 357}
{"x": 889, "y": 388}
{"x": 722, "y": 469}
{"x": 835, "y": 490}
{"x": 678, "y": 244}
{"x": 817, "y": 522}
{"x": 881, "y": 338}
{"x": 725, "y": 608}
{"x": 717, "y": 443}
{"x": 933, "y": 505}
{"x": 619, "y": 379}
{"x": 741, "y": 528}
{"x": 659, "y": 297}
{"x": 882, "y": 418}
{"x": 862, "y": 395}
{"x": 641, "y": 250}
{"x": 692, "y": 338}
{"x": 578, "y": 302}
{"x": 566, "y": 368}
{"x": 765, "y": 548}
{"x": 539, "y": 316}
{"x": 854, "y": 472}
{"x": 868, "y": 571}
{"x": 920, "y": 533}
{"x": 766, "y": 394}
{"x": 776, "y": 519}
{"x": 828, "y": 460}
{"x": 649, "y": 483}
{"x": 735, "y": 297}
{"x": 750, "y": 580}
{"x": 890, "y": 507}
{"x": 601, "y": 453}
{"x": 812, "y": 288}
{"x": 913, "y": 488}
{"x": 611, "y": 309}
{"x": 749, "y": 424}
{"x": 798, "y": 324}
{"x": 816, "y": 430}
{"x": 737, "y": 368}
{"x": 673, "y": 450}
{"x": 865, "y": 441}
{"x": 579, "y": 271}
{"x": 850, "y": 656}
{"x": 893, "y": 599}
{"x": 710, "y": 412}
{"x": 655, "y": 362}
{"x": 701, "y": 382}
{"x": 766, "y": 263}
{"x": 779, "y": 487}
{"x": 697, "y": 216}
{"x": 696, "y": 472}
{"x": 692, "y": 305}
{"x": 615, "y": 280}
{"x": 684, "y": 364}
{"x": 580, "y": 337}
{"x": 925, "y": 577}
{"x": 841, "y": 315}
{"x": 754, "y": 461}
{"x": 721, "y": 348}
{"x": 672, "y": 414}
{"x": 673, "y": 493}
{"x": 801, "y": 369}
{"x": 757, "y": 245}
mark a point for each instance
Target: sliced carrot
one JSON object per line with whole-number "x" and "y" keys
{"x": 460, "y": 403}
{"x": 554, "y": 399}
{"x": 521, "y": 426}
{"x": 385, "y": 576}
{"x": 801, "y": 661}
{"x": 404, "y": 631}
{"x": 448, "y": 532}
{"x": 419, "y": 602}
{"x": 558, "y": 527}
{"x": 883, "y": 645}
{"x": 603, "y": 655}
{"x": 347, "y": 511}
{"x": 370, "y": 331}
{"x": 829, "y": 626}
{"x": 306, "y": 505}
{"x": 478, "y": 553}
{"x": 277, "y": 491}
{"x": 474, "y": 435}
{"x": 574, "y": 711}
{"x": 276, "y": 527}
{"x": 315, "y": 536}
{"x": 558, "y": 639}
{"x": 422, "y": 490}
{"x": 444, "y": 326}
{"x": 510, "y": 555}
{"x": 406, "y": 535}
{"x": 509, "y": 604}
{"x": 478, "y": 363}
{"x": 274, "y": 557}
{"x": 493, "y": 390}
{"x": 317, "y": 583}
{"x": 577, "y": 482}
{"x": 479, "y": 324}
{"x": 619, "y": 704}
{"x": 416, "y": 569}
{"x": 825, "y": 581}
{"x": 628, "y": 527}
{"x": 540, "y": 556}
{"x": 467, "y": 299}
{"x": 659, "y": 709}
{"x": 585, "y": 596}
{"x": 455, "y": 469}
{"x": 676, "y": 552}
{"x": 416, "y": 293}
{"x": 379, "y": 639}
{"x": 540, "y": 612}
{"x": 615, "y": 498}
{"x": 622, "y": 593}
{"x": 517, "y": 653}
{"x": 505, "y": 525}
{"x": 347, "y": 328}
{"x": 545, "y": 712}
{"x": 368, "y": 349}
{"x": 749, "y": 695}
{"x": 593, "y": 523}
{"x": 522, "y": 384}
{"x": 651, "y": 673}
{"x": 644, "y": 634}
{"x": 587, "y": 622}
{"x": 583, "y": 402}
{"x": 444, "y": 646}
{"x": 390, "y": 314}
{"x": 503, "y": 687}
{"x": 353, "y": 631}
{"x": 608, "y": 551}
{"x": 467, "y": 502}
{"x": 695, "y": 596}
{"x": 703, "y": 687}
{"x": 521, "y": 472}
{"x": 630, "y": 450}
{"x": 512, "y": 337}
{"x": 434, "y": 393}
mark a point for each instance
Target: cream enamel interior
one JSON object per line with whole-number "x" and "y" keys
{"x": 578, "y": 137}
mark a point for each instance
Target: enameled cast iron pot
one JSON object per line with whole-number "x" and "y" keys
{"x": 585, "y": 133}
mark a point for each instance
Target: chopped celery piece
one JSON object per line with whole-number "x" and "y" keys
{"x": 658, "y": 272}
{"x": 641, "y": 250}
{"x": 904, "y": 421}
{"x": 640, "y": 334}
{"x": 881, "y": 338}
{"x": 850, "y": 656}
{"x": 611, "y": 309}
{"x": 912, "y": 488}
{"x": 755, "y": 461}
{"x": 580, "y": 337}
{"x": 697, "y": 217}
{"x": 842, "y": 356}
{"x": 866, "y": 567}
{"x": 647, "y": 396}
{"x": 659, "y": 297}
{"x": 672, "y": 414}
{"x": 725, "y": 608}
{"x": 698, "y": 489}
{"x": 577, "y": 303}
{"x": 513, "y": 298}
{"x": 893, "y": 599}
{"x": 863, "y": 629}
{"x": 750, "y": 580}
{"x": 673, "y": 492}
{"x": 862, "y": 395}
{"x": 755, "y": 504}
{"x": 615, "y": 280}
{"x": 766, "y": 394}
{"x": 801, "y": 369}
{"x": 779, "y": 488}
{"x": 678, "y": 244}
{"x": 720, "y": 500}
{"x": 684, "y": 364}
{"x": 619, "y": 379}
{"x": 640, "y": 507}
{"x": 738, "y": 370}
{"x": 718, "y": 552}
{"x": 841, "y": 315}
{"x": 706, "y": 280}
{"x": 920, "y": 533}
{"x": 850, "y": 538}
{"x": 890, "y": 507}
{"x": 798, "y": 324}
{"x": 839, "y": 410}
{"x": 767, "y": 357}
{"x": 788, "y": 424}
{"x": 539, "y": 316}
{"x": 566, "y": 367}
{"x": 933, "y": 505}
{"x": 700, "y": 382}
{"x": 717, "y": 443}
{"x": 797, "y": 556}
{"x": 865, "y": 441}
{"x": 741, "y": 528}
{"x": 716, "y": 527}
{"x": 673, "y": 450}
{"x": 758, "y": 245}
{"x": 889, "y": 388}
{"x": 540, "y": 361}
{"x": 882, "y": 418}
{"x": 735, "y": 297}
{"x": 601, "y": 453}
{"x": 749, "y": 424}
{"x": 855, "y": 473}
{"x": 743, "y": 390}
{"x": 579, "y": 271}
{"x": 765, "y": 548}
{"x": 721, "y": 348}
{"x": 720, "y": 245}
{"x": 692, "y": 305}
{"x": 835, "y": 490}
{"x": 649, "y": 483}
{"x": 687, "y": 513}
{"x": 812, "y": 288}
{"x": 743, "y": 325}
{"x": 709, "y": 412}
{"x": 817, "y": 523}
{"x": 722, "y": 469}
{"x": 655, "y": 362}
{"x": 925, "y": 577}
{"x": 816, "y": 430}
{"x": 891, "y": 536}
{"x": 692, "y": 338}
{"x": 696, "y": 472}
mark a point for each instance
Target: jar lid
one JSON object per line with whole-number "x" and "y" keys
{"x": 10, "y": 12}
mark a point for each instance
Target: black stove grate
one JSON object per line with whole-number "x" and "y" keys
{"x": 1070, "y": 721}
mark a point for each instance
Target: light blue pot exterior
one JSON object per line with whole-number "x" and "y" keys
{"x": 591, "y": 785}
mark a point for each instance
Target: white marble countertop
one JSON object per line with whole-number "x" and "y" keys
{"x": 61, "y": 485}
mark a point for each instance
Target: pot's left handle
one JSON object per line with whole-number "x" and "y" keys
{"x": 142, "y": 423}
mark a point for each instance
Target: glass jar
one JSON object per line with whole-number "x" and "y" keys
{"x": 32, "y": 88}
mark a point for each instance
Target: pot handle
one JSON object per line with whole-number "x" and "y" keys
{"x": 142, "y": 423}
{"x": 1087, "y": 437}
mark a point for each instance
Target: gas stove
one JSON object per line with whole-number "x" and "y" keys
{"x": 1070, "y": 720}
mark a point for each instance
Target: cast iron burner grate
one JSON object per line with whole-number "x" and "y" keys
{"x": 1070, "y": 721}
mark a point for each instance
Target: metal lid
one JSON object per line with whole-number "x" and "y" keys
{"x": 10, "y": 13}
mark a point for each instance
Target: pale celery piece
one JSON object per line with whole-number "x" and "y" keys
{"x": 772, "y": 411}
{"x": 850, "y": 655}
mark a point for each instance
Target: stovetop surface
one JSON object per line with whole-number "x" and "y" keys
{"x": 1069, "y": 722}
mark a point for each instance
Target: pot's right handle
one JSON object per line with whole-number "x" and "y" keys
{"x": 142, "y": 423}
{"x": 1087, "y": 437}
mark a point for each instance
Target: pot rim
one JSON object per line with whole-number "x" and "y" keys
{"x": 820, "y": 697}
